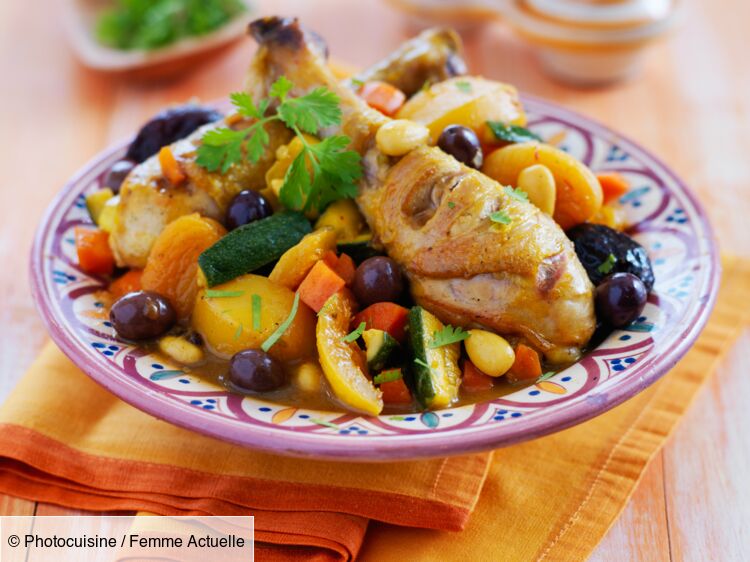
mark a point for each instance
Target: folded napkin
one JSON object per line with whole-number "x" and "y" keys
{"x": 65, "y": 440}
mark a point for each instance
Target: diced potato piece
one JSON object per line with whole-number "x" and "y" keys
{"x": 344, "y": 217}
{"x": 96, "y": 201}
{"x": 578, "y": 193}
{"x": 226, "y": 322}
{"x": 465, "y": 100}
{"x": 298, "y": 260}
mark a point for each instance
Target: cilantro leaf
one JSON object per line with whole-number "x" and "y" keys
{"x": 517, "y": 194}
{"x": 463, "y": 86}
{"x": 512, "y": 133}
{"x": 451, "y": 204}
{"x": 606, "y": 266}
{"x": 221, "y": 148}
{"x": 447, "y": 336}
{"x": 311, "y": 112}
{"x": 244, "y": 104}
{"x": 354, "y": 335}
{"x": 281, "y": 88}
{"x": 357, "y": 83}
{"x": 257, "y": 144}
{"x": 500, "y": 217}
{"x": 388, "y": 376}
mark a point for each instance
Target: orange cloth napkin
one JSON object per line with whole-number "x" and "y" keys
{"x": 65, "y": 440}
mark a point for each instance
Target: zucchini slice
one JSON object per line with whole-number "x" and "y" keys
{"x": 380, "y": 347}
{"x": 252, "y": 246}
{"x": 436, "y": 375}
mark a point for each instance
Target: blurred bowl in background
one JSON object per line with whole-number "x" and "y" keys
{"x": 80, "y": 17}
{"x": 580, "y": 42}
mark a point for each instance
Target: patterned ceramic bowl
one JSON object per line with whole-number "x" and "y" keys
{"x": 665, "y": 218}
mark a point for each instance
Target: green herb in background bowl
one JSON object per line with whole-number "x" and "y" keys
{"x": 152, "y": 24}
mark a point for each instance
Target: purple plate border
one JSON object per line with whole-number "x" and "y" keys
{"x": 657, "y": 360}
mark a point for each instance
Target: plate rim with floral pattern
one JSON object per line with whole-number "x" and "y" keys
{"x": 666, "y": 217}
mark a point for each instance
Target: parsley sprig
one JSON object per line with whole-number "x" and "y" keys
{"x": 319, "y": 174}
{"x": 606, "y": 266}
{"x": 447, "y": 336}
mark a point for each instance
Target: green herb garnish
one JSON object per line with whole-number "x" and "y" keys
{"x": 606, "y": 266}
{"x": 238, "y": 332}
{"x": 255, "y": 299}
{"x": 354, "y": 336}
{"x": 464, "y": 86}
{"x": 319, "y": 174}
{"x": 418, "y": 361}
{"x": 500, "y": 217}
{"x": 517, "y": 194}
{"x": 150, "y": 24}
{"x": 447, "y": 336}
{"x": 216, "y": 294}
{"x": 324, "y": 423}
{"x": 545, "y": 376}
{"x": 388, "y": 376}
{"x": 426, "y": 85}
{"x": 283, "y": 327}
{"x": 512, "y": 133}
{"x": 451, "y": 204}
{"x": 357, "y": 82}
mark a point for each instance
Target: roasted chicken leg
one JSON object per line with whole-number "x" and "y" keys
{"x": 431, "y": 214}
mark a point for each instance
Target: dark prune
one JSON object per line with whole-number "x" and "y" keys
{"x": 167, "y": 127}
{"x": 595, "y": 242}
{"x": 142, "y": 315}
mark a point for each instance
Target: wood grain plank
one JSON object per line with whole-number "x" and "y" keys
{"x": 641, "y": 531}
{"x": 10, "y": 505}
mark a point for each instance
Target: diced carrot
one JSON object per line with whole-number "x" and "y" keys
{"x": 396, "y": 392}
{"x": 385, "y": 316}
{"x": 613, "y": 185}
{"x": 128, "y": 283}
{"x": 474, "y": 379}
{"x": 331, "y": 259}
{"x": 345, "y": 268}
{"x": 319, "y": 285}
{"x": 170, "y": 167}
{"x": 382, "y": 96}
{"x": 94, "y": 254}
{"x": 526, "y": 366}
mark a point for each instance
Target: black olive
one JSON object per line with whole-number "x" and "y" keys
{"x": 620, "y": 299}
{"x": 167, "y": 127}
{"x": 246, "y": 207}
{"x": 256, "y": 371}
{"x": 595, "y": 242}
{"x": 142, "y": 315}
{"x": 117, "y": 174}
{"x": 463, "y": 144}
{"x": 377, "y": 279}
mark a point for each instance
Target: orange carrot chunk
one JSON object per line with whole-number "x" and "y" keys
{"x": 385, "y": 98}
{"x": 170, "y": 167}
{"x": 319, "y": 285}
{"x": 395, "y": 392}
{"x": 527, "y": 366}
{"x": 385, "y": 316}
{"x": 331, "y": 259}
{"x": 94, "y": 254}
{"x": 613, "y": 185}
{"x": 127, "y": 283}
{"x": 345, "y": 268}
{"x": 474, "y": 379}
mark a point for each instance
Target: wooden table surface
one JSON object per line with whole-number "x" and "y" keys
{"x": 691, "y": 106}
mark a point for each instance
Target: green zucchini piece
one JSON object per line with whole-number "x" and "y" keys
{"x": 252, "y": 246}
{"x": 359, "y": 248}
{"x": 96, "y": 201}
{"x": 380, "y": 347}
{"x": 436, "y": 375}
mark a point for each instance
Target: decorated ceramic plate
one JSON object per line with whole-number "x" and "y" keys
{"x": 663, "y": 216}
